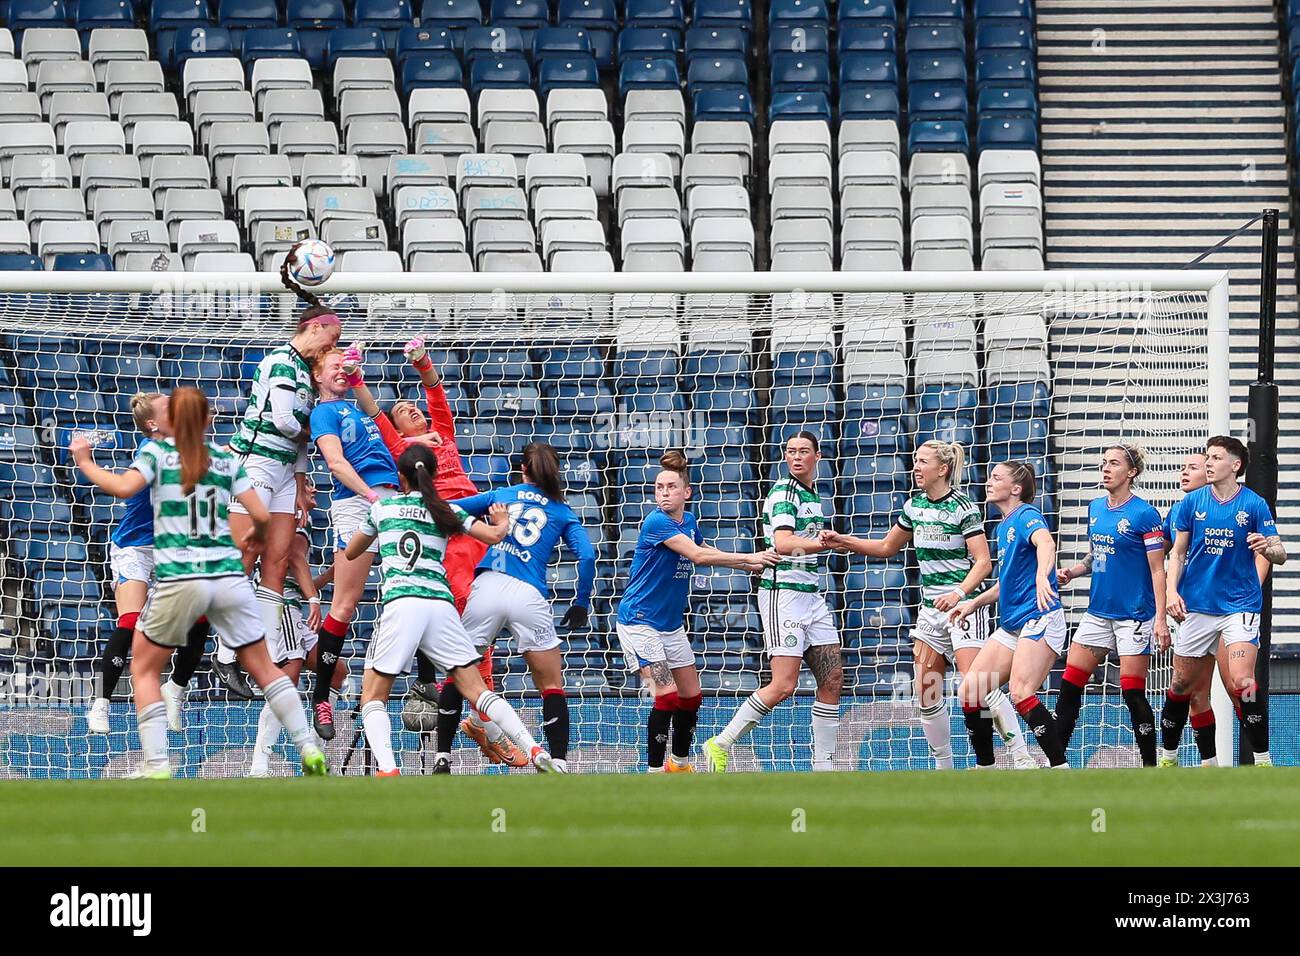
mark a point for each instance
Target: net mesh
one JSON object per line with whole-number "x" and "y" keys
{"x": 611, "y": 380}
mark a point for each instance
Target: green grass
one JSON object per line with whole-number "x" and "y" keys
{"x": 1168, "y": 817}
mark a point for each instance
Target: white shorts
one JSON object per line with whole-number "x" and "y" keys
{"x": 498, "y": 600}
{"x": 293, "y": 639}
{"x": 934, "y": 628}
{"x": 413, "y": 624}
{"x": 794, "y": 621}
{"x": 1125, "y": 638}
{"x": 131, "y": 564}
{"x": 1198, "y": 633}
{"x": 1050, "y": 628}
{"x": 349, "y": 514}
{"x": 229, "y": 602}
{"x": 643, "y": 645}
{"x": 274, "y": 483}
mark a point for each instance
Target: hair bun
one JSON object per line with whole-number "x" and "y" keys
{"x": 674, "y": 460}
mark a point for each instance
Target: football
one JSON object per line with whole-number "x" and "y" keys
{"x": 310, "y": 262}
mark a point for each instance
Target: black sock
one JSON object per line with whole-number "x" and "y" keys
{"x": 449, "y": 706}
{"x": 684, "y": 719}
{"x": 658, "y": 727}
{"x": 1144, "y": 723}
{"x": 329, "y": 647}
{"x": 555, "y": 723}
{"x": 1043, "y": 724}
{"x": 1204, "y": 734}
{"x": 186, "y": 659}
{"x": 425, "y": 672}
{"x": 979, "y": 726}
{"x": 116, "y": 651}
{"x": 1068, "y": 703}
{"x": 1254, "y": 719}
{"x": 1173, "y": 718}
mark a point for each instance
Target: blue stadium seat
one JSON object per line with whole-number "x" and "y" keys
{"x": 1018, "y": 439}
{"x": 857, "y": 37}
{"x": 199, "y": 41}
{"x": 47, "y": 370}
{"x": 725, "y": 509}
{"x": 655, "y": 366}
{"x": 655, "y": 13}
{"x": 353, "y": 42}
{"x": 712, "y": 73}
{"x": 650, "y": 403}
{"x": 492, "y": 42}
{"x": 879, "y": 582}
{"x": 639, "y": 43}
{"x": 861, "y": 101}
{"x": 579, "y": 399}
{"x": 804, "y": 367}
{"x": 83, "y": 262}
{"x": 28, "y": 14}
{"x": 1012, "y": 99}
{"x": 498, "y": 73}
{"x": 799, "y": 106}
{"x": 920, "y": 10}
{"x": 648, "y": 74}
{"x": 71, "y": 586}
{"x": 803, "y": 11}
{"x": 1023, "y": 400}
{"x": 938, "y": 101}
{"x": 724, "y": 105}
{"x": 75, "y": 627}
{"x": 503, "y": 365}
{"x": 860, "y": 11}
{"x": 59, "y": 550}
{"x": 562, "y": 73}
{"x": 1020, "y": 9}
{"x": 571, "y": 362}
{"x": 1005, "y": 35}
{"x": 703, "y": 367}
{"x": 421, "y": 41}
{"x": 315, "y": 21}
{"x": 36, "y": 517}
{"x": 935, "y": 37}
{"x": 509, "y": 401}
{"x": 13, "y": 408}
{"x": 949, "y": 398}
{"x": 734, "y": 403}
{"x": 487, "y": 470}
{"x": 708, "y": 42}
{"x": 599, "y": 18}
{"x": 804, "y": 403}
{"x": 1006, "y": 131}
{"x": 389, "y": 15}
{"x": 868, "y": 68}
{"x": 801, "y": 73}
{"x": 24, "y": 480}
{"x": 94, "y": 14}
{"x": 457, "y": 14}
{"x": 882, "y": 473}
{"x": 477, "y": 438}
{"x": 730, "y": 14}
{"x": 560, "y": 42}
{"x": 263, "y": 44}
{"x": 1005, "y": 68}
{"x": 886, "y": 436}
{"x": 937, "y": 66}
{"x": 944, "y": 136}
{"x": 796, "y": 38}
{"x": 247, "y": 14}
{"x": 18, "y": 262}
{"x": 166, "y": 16}
{"x": 434, "y": 70}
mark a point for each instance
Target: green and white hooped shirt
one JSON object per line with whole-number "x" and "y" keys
{"x": 411, "y": 548}
{"x": 794, "y": 506}
{"x": 939, "y": 531}
{"x": 283, "y": 367}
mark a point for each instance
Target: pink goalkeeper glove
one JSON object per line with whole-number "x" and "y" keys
{"x": 415, "y": 354}
{"x": 352, "y": 366}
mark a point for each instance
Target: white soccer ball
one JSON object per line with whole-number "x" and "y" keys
{"x": 310, "y": 262}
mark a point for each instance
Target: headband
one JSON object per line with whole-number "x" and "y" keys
{"x": 328, "y": 318}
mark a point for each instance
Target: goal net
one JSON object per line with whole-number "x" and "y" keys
{"x": 611, "y": 370}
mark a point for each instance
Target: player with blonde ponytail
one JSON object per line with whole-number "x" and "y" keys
{"x": 947, "y": 530}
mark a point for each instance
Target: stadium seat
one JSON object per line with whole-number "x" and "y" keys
{"x": 705, "y": 41}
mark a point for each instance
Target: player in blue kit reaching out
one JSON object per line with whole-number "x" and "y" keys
{"x": 1225, "y": 534}
{"x": 510, "y": 591}
{"x": 652, "y": 613}
{"x": 1126, "y": 598}
{"x": 1031, "y": 627}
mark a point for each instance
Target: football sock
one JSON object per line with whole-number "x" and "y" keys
{"x": 1043, "y": 725}
{"x": 555, "y": 722}
{"x": 495, "y": 709}
{"x": 825, "y": 730}
{"x": 1254, "y": 719}
{"x": 282, "y": 697}
{"x": 1173, "y": 718}
{"x": 152, "y": 727}
{"x": 116, "y": 650}
{"x": 1003, "y": 714}
{"x": 1070, "y": 699}
{"x": 186, "y": 659}
{"x": 1144, "y": 721}
{"x": 684, "y": 719}
{"x": 425, "y": 672}
{"x": 938, "y": 734}
{"x": 1203, "y": 729}
{"x": 980, "y": 729}
{"x": 658, "y": 727}
{"x": 270, "y": 605}
{"x": 268, "y": 732}
{"x": 379, "y": 733}
{"x": 328, "y": 648}
{"x": 449, "y": 706}
{"x": 746, "y": 718}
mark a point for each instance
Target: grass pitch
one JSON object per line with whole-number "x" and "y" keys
{"x": 1222, "y": 817}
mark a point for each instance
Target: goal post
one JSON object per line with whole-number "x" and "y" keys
{"x": 613, "y": 369}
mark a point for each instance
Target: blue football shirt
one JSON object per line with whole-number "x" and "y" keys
{"x": 1018, "y": 568}
{"x": 1219, "y": 576}
{"x": 537, "y": 525}
{"x": 363, "y": 445}
{"x": 135, "y": 530}
{"x": 1121, "y": 537}
{"x": 660, "y": 581}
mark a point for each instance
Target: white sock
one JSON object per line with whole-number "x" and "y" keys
{"x": 225, "y": 654}
{"x": 268, "y": 732}
{"x": 825, "y": 728}
{"x": 439, "y": 756}
{"x": 152, "y": 727}
{"x": 282, "y": 697}
{"x": 1006, "y": 722}
{"x": 496, "y": 710}
{"x": 1170, "y": 754}
{"x": 1263, "y": 760}
{"x": 271, "y": 606}
{"x": 379, "y": 733}
{"x": 1211, "y": 762}
{"x": 747, "y": 716}
{"x": 938, "y": 734}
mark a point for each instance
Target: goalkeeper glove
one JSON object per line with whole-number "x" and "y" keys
{"x": 577, "y": 617}
{"x": 417, "y": 355}
{"x": 352, "y": 366}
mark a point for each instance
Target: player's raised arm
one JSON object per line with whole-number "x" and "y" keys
{"x": 118, "y": 484}
{"x": 709, "y": 556}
